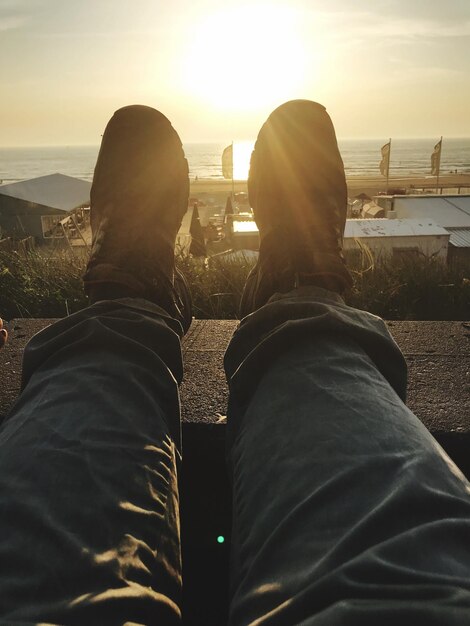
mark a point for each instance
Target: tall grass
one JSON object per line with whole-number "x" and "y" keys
{"x": 216, "y": 285}
{"x": 40, "y": 284}
{"x": 418, "y": 289}
{"x": 43, "y": 284}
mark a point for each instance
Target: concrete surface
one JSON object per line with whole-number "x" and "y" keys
{"x": 438, "y": 356}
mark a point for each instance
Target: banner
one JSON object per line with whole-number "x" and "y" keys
{"x": 385, "y": 162}
{"x": 227, "y": 162}
{"x": 436, "y": 158}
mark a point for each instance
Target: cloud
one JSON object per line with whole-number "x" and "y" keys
{"x": 414, "y": 29}
{"x": 361, "y": 25}
{"x": 436, "y": 13}
{"x": 425, "y": 73}
{"x": 11, "y": 22}
{"x": 16, "y": 13}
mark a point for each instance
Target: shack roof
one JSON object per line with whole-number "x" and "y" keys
{"x": 383, "y": 227}
{"x": 56, "y": 191}
{"x": 448, "y": 211}
{"x": 460, "y": 237}
{"x": 373, "y": 210}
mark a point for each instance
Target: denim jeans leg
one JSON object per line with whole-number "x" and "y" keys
{"x": 89, "y": 521}
{"x": 346, "y": 510}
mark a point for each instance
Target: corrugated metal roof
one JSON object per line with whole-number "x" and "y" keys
{"x": 447, "y": 211}
{"x": 460, "y": 237}
{"x": 384, "y": 227}
{"x": 57, "y": 191}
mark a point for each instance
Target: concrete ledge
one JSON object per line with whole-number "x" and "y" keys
{"x": 438, "y": 356}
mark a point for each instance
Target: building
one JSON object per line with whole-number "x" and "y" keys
{"x": 451, "y": 212}
{"x": 242, "y": 232}
{"x": 44, "y": 208}
{"x": 385, "y": 238}
{"x": 396, "y": 239}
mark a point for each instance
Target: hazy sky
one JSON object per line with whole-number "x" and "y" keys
{"x": 216, "y": 68}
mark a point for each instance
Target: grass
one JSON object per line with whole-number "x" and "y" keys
{"x": 418, "y": 289}
{"x": 40, "y": 284}
{"x": 43, "y": 284}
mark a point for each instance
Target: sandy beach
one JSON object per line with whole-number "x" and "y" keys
{"x": 374, "y": 185}
{"x": 356, "y": 185}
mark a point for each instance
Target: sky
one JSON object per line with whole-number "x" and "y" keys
{"x": 383, "y": 68}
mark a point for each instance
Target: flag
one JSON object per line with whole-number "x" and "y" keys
{"x": 227, "y": 162}
{"x": 436, "y": 158}
{"x": 385, "y": 162}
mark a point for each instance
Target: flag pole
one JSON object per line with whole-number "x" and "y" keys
{"x": 438, "y": 166}
{"x": 233, "y": 182}
{"x": 388, "y": 164}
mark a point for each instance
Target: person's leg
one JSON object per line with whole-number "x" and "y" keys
{"x": 88, "y": 497}
{"x": 89, "y": 524}
{"x": 346, "y": 511}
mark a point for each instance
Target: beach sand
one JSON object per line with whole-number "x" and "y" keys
{"x": 371, "y": 186}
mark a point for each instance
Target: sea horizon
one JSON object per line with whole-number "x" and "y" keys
{"x": 225, "y": 143}
{"x": 409, "y": 157}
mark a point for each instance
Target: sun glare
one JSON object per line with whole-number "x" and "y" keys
{"x": 245, "y": 58}
{"x": 241, "y": 159}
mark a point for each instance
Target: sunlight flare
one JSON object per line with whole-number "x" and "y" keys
{"x": 245, "y": 58}
{"x": 241, "y": 159}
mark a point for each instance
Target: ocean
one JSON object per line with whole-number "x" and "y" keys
{"x": 409, "y": 157}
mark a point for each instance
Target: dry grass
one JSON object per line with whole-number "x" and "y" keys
{"x": 43, "y": 284}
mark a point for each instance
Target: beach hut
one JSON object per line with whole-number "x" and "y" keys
{"x": 396, "y": 239}
{"x": 242, "y": 232}
{"x": 451, "y": 212}
{"x": 37, "y": 207}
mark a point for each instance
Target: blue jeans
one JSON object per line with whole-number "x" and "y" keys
{"x": 346, "y": 510}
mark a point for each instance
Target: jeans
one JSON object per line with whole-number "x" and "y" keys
{"x": 345, "y": 509}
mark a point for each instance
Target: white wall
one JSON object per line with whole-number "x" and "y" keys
{"x": 382, "y": 247}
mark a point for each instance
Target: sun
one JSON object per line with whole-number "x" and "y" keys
{"x": 245, "y": 58}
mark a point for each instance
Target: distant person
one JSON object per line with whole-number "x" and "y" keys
{"x": 346, "y": 510}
